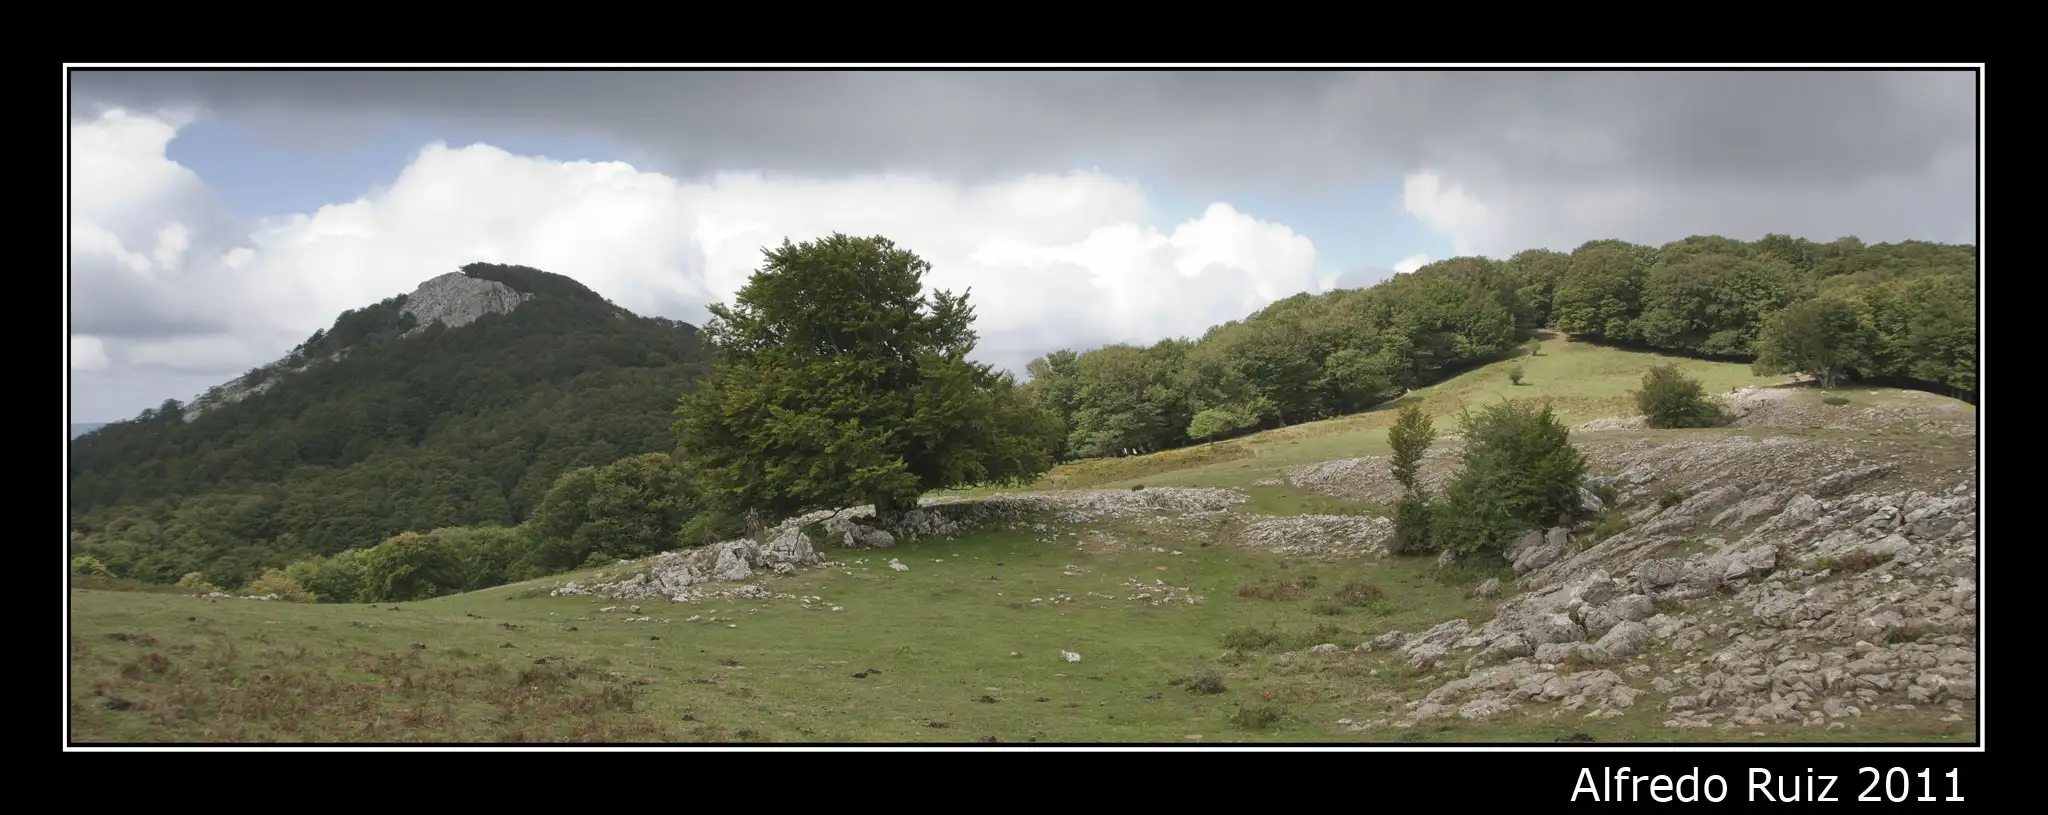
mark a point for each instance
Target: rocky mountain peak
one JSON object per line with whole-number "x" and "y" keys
{"x": 456, "y": 299}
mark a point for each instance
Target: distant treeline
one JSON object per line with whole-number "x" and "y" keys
{"x": 1310, "y": 357}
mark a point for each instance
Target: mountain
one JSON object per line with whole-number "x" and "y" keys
{"x": 456, "y": 404}
{"x": 82, "y": 428}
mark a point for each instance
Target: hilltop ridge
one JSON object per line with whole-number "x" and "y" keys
{"x": 457, "y": 403}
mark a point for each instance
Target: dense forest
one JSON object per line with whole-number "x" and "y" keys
{"x": 539, "y": 440}
{"x": 1314, "y": 356}
{"x": 448, "y": 427}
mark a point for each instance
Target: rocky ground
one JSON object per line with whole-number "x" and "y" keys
{"x": 1739, "y": 580}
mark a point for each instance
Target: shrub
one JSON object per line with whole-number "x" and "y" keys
{"x": 1520, "y": 472}
{"x": 337, "y": 579}
{"x": 1411, "y": 527}
{"x": 1357, "y": 593}
{"x": 1250, "y": 639}
{"x": 1258, "y": 715}
{"x": 1265, "y": 588}
{"x": 275, "y": 582}
{"x": 1515, "y": 375}
{"x": 1205, "y": 681}
{"x": 1410, "y": 437}
{"x": 89, "y": 566}
{"x": 197, "y": 582}
{"x": 1669, "y": 399}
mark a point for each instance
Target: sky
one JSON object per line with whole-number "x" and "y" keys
{"x": 217, "y": 218}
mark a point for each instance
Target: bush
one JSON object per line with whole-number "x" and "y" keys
{"x": 1358, "y": 593}
{"x": 1515, "y": 375}
{"x": 197, "y": 582}
{"x": 1205, "y": 681}
{"x": 89, "y": 566}
{"x": 337, "y": 579}
{"x": 1258, "y": 715}
{"x": 1250, "y": 639}
{"x": 1410, "y": 437}
{"x": 275, "y": 582}
{"x": 1266, "y": 588}
{"x": 1670, "y": 399}
{"x": 1411, "y": 527}
{"x": 1520, "y": 472}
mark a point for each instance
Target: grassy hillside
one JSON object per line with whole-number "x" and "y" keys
{"x": 1183, "y": 636}
{"x": 1583, "y": 380}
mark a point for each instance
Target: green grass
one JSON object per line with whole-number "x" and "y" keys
{"x": 954, "y": 650}
{"x": 1583, "y": 381}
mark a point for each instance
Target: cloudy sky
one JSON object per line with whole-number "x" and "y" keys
{"x": 217, "y": 218}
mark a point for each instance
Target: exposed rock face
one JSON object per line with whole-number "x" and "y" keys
{"x": 456, "y": 299}
{"x": 1755, "y": 579}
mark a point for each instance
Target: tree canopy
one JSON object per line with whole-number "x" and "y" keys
{"x": 839, "y": 382}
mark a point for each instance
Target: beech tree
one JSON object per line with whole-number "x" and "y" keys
{"x": 1822, "y": 337}
{"x": 838, "y": 382}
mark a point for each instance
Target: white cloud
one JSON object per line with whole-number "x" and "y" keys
{"x": 1053, "y": 260}
{"x": 1446, "y": 209}
{"x": 87, "y": 353}
{"x": 1411, "y": 263}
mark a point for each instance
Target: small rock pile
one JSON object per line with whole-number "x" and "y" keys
{"x": 680, "y": 576}
{"x": 1161, "y": 593}
{"x": 1371, "y": 478}
{"x": 1320, "y": 537}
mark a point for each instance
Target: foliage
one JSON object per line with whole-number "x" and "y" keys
{"x": 839, "y": 383}
{"x": 275, "y": 583}
{"x": 1822, "y": 338}
{"x": 1520, "y": 472}
{"x": 1215, "y": 422}
{"x": 1410, "y": 437}
{"x": 1411, "y": 526}
{"x": 1515, "y": 374}
{"x": 1670, "y": 399}
{"x": 89, "y": 566}
{"x": 401, "y": 433}
{"x": 630, "y": 508}
{"x": 197, "y": 582}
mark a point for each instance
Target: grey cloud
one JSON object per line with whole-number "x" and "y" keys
{"x": 1773, "y": 128}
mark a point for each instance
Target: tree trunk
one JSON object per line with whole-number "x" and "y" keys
{"x": 1827, "y": 378}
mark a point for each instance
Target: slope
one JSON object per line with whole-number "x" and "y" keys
{"x": 1225, "y": 610}
{"x": 384, "y": 423}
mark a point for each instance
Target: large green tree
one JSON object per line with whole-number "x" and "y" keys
{"x": 1822, "y": 337}
{"x": 839, "y": 383}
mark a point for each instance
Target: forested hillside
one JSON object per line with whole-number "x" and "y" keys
{"x": 1313, "y": 356}
{"x": 447, "y": 427}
